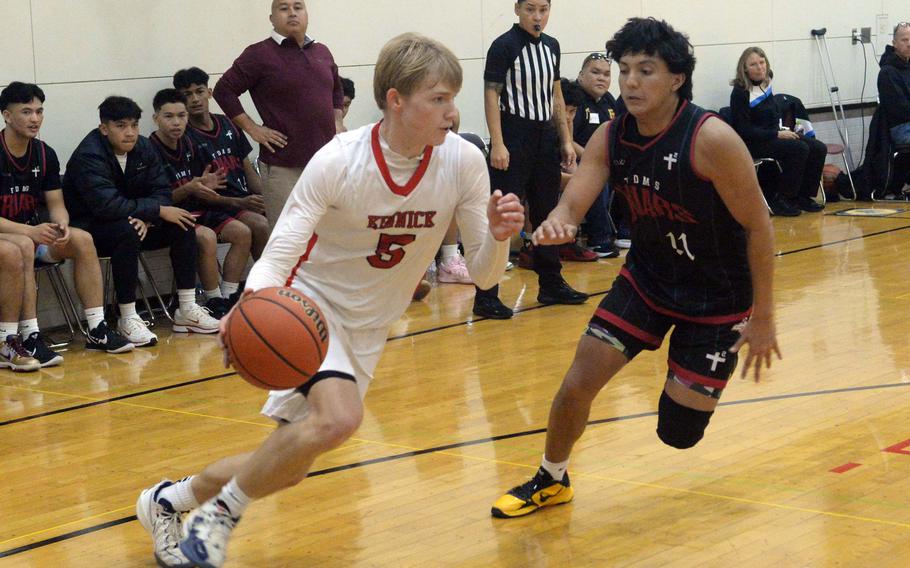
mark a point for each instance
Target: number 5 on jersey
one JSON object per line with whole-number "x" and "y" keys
{"x": 390, "y": 250}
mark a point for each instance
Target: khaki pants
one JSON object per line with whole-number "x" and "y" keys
{"x": 277, "y": 183}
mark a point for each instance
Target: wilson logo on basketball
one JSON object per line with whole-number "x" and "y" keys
{"x": 310, "y": 311}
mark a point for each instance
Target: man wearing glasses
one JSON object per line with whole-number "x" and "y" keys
{"x": 894, "y": 84}
{"x": 599, "y": 107}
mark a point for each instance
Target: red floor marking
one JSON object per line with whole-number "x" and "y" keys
{"x": 899, "y": 448}
{"x": 846, "y": 467}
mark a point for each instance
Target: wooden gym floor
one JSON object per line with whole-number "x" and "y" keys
{"x": 810, "y": 467}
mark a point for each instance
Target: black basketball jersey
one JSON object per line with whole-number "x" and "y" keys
{"x": 688, "y": 253}
{"x": 181, "y": 165}
{"x": 226, "y": 147}
{"x": 24, "y": 180}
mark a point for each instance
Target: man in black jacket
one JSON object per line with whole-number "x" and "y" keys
{"x": 116, "y": 189}
{"x": 894, "y": 84}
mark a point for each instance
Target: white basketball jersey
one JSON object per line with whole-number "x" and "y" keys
{"x": 363, "y": 223}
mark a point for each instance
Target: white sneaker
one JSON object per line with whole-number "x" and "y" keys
{"x": 453, "y": 270}
{"x": 196, "y": 319}
{"x": 624, "y": 243}
{"x": 136, "y": 332}
{"x": 206, "y": 533}
{"x": 164, "y": 524}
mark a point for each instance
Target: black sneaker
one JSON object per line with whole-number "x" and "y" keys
{"x": 541, "y": 491}
{"x": 808, "y": 204}
{"x": 103, "y": 338}
{"x": 560, "y": 293}
{"x": 235, "y": 297}
{"x": 781, "y": 208}
{"x": 218, "y": 307}
{"x": 491, "y": 307}
{"x": 36, "y": 347}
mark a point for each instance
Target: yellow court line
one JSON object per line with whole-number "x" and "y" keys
{"x": 2, "y": 542}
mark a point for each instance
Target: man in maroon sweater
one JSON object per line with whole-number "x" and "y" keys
{"x": 295, "y": 86}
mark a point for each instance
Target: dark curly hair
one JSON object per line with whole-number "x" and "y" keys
{"x": 650, "y": 36}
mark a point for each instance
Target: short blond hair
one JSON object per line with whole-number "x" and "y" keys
{"x": 410, "y": 60}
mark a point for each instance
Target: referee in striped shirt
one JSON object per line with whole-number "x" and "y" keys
{"x": 525, "y": 114}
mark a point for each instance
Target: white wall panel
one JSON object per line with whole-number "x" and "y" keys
{"x": 94, "y": 40}
{"x": 584, "y": 27}
{"x": 88, "y": 49}
{"x": 71, "y": 110}
{"x": 794, "y": 20}
{"x": 798, "y": 70}
{"x": 356, "y": 32}
{"x": 714, "y": 67}
{"x": 16, "y": 42}
{"x": 713, "y": 21}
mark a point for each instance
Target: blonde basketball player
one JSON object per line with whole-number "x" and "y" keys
{"x": 360, "y": 227}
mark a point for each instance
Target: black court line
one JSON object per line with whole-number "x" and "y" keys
{"x": 847, "y": 240}
{"x": 456, "y": 445}
{"x": 602, "y": 292}
{"x": 472, "y": 321}
{"x": 115, "y": 399}
{"x": 448, "y": 446}
{"x": 66, "y": 536}
{"x": 412, "y": 334}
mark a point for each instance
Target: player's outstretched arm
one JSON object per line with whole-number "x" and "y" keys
{"x": 586, "y": 184}
{"x": 722, "y": 157}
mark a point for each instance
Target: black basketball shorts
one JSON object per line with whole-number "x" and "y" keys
{"x": 699, "y": 345}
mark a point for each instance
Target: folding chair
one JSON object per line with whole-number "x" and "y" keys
{"x": 64, "y": 300}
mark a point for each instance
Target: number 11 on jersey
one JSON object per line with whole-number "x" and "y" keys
{"x": 677, "y": 242}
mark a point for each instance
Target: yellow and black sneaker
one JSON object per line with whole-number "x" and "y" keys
{"x": 541, "y": 491}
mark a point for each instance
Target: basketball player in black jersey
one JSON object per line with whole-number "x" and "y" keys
{"x": 700, "y": 262}
{"x": 195, "y": 182}
{"x": 29, "y": 176}
{"x": 225, "y": 145}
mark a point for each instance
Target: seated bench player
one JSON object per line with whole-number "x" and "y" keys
{"x": 29, "y": 175}
{"x": 194, "y": 187}
{"x": 115, "y": 188}
{"x": 223, "y": 144}
{"x": 12, "y": 353}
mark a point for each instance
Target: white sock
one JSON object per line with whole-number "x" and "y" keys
{"x": 556, "y": 470}
{"x": 28, "y": 327}
{"x": 234, "y": 497}
{"x": 128, "y": 310}
{"x": 180, "y": 495}
{"x": 448, "y": 251}
{"x": 215, "y": 293}
{"x": 8, "y": 328}
{"x": 94, "y": 316}
{"x": 186, "y": 298}
{"x": 228, "y": 288}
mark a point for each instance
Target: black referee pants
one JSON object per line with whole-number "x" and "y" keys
{"x": 120, "y": 241}
{"x": 533, "y": 175}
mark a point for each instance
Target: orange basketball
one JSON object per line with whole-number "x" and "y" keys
{"x": 276, "y": 338}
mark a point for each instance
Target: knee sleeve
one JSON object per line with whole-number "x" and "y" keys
{"x": 680, "y": 426}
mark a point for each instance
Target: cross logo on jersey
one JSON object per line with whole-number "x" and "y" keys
{"x": 718, "y": 357}
{"x": 230, "y": 135}
{"x": 671, "y": 159}
{"x": 36, "y": 171}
